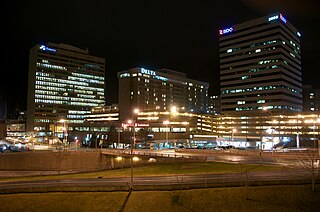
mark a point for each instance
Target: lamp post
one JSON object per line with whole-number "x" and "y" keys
{"x": 130, "y": 122}
{"x": 135, "y": 112}
{"x": 65, "y": 131}
{"x": 314, "y": 136}
{"x": 233, "y": 131}
{"x": 166, "y": 124}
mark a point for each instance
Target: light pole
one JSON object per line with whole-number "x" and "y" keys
{"x": 233, "y": 131}
{"x": 166, "y": 124}
{"x": 314, "y": 136}
{"x": 65, "y": 131}
{"x": 119, "y": 130}
{"x": 135, "y": 112}
{"x": 131, "y": 154}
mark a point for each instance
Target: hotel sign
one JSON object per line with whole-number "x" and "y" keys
{"x": 146, "y": 71}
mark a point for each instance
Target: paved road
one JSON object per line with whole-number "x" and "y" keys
{"x": 205, "y": 179}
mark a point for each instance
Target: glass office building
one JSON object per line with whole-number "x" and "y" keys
{"x": 64, "y": 83}
{"x": 260, "y": 66}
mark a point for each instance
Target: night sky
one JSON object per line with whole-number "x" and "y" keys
{"x": 178, "y": 35}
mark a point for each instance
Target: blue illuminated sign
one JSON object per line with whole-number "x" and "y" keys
{"x": 275, "y": 17}
{"x": 45, "y": 48}
{"x": 225, "y": 31}
{"x": 146, "y": 71}
{"x": 283, "y": 18}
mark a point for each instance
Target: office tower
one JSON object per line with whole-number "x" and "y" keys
{"x": 161, "y": 89}
{"x": 64, "y": 83}
{"x": 260, "y": 66}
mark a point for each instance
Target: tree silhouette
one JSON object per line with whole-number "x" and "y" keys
{"x": 142, "y": 136}
{"x": 112, "y": 136}
{"x": 310, "y": 162}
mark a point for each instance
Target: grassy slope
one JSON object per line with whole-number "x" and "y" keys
{"x": 162, "y": 169}
{"x": 262, "y": 198}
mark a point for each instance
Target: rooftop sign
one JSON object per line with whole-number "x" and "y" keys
{"x": 225, "y": 31}
{"x": 146, "y": 71}
{"x": 275, "y": 17}
{"x": 45, "y": 48}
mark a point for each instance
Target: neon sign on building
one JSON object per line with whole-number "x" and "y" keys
{"x": 146, "y": 71}
{"x": 45, "y": 48}
{"x": 275, "y": 17}
{"x": 225, "y": 31}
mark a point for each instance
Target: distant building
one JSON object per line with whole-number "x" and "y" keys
{"x": 311, "y": 98}
{"x": 260, "y": 66}
{"x": 214, "y": 105}
{"x": 161, "y": 89}
{"x": 64, "y": 82}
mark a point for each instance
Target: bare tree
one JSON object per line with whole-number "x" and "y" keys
{"x": 309, "y": 162}
{"x": 112, "y": 136}
{"x": 61, "y": 153}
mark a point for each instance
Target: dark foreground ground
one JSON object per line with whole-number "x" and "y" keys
{"x": 253, "y": 198}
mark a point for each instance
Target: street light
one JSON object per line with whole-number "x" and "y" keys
{"x": 135, "y": 112}
{"x": 131, "y": 153}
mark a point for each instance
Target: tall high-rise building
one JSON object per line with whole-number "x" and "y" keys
{"x": 260, "y": 66}
{"x": 161, "y": 89}
{"x": 64, "y": 82}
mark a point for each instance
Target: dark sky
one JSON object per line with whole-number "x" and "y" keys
{"x": 179, "y": 35}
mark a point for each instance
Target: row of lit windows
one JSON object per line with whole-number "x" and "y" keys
{"x": 51, "y": 66}
{"x": 295, "y": 47}
{"x": 78, "y": 112}
{"x": 86, "y": 80}
{"x": 269, "y": 107}
{"x": 75, "y": 116}
{"x": 49, "y": 88}
{"x": 88, "y": 76}
{"x": 61, "y": 81}
{"x": 259, "y": 88}
{"x": 65, "y": 102}
{"x": 89, "y": 88}
{"x": 68, "y": 98}
{"x": 261, "y": 62}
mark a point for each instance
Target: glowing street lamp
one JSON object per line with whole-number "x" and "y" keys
{"x": 130, "y": 122}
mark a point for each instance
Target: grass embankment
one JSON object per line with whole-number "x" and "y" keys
{"x": 159, "y": 170}
{"x": 261, "y": 198}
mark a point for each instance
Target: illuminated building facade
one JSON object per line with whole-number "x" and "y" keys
{"x": 64, "y": 82}
{"x": 160, "y": 90}
{"x": 260, "y": 66}
{"x": 108, "y": 113}
{"x": 311, "y": 99}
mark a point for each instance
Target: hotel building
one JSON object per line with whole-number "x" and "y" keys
{"x": 161, "y": 89}
{"x": 260, "y": 66}
{"x": 64, "y": 83}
